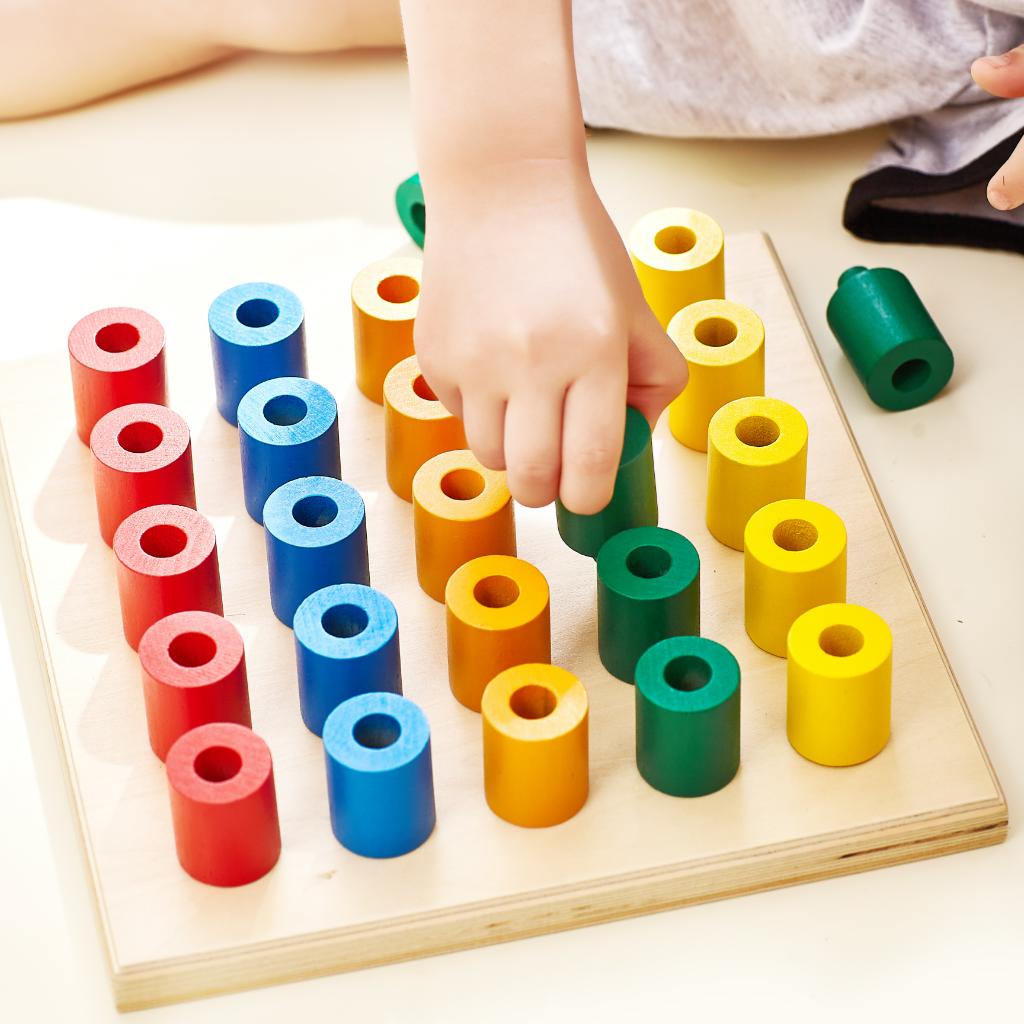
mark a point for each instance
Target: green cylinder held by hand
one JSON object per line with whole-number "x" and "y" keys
{"x": 688, "y": 716}
{"x": 648, "y": 588}
{"x": 889, "y": 337}
{"x": 634, "y": 500}
{"x": 412, "y": 211}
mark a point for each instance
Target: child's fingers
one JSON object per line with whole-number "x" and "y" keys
{"x": 1002, "y": 74}
{"x": 533, "y": 446}
{"x": 593, "y": 425}
{"x": 1006, "y": 188}
{"x": 657, "y": 370}
{"x": 484, "y": 420}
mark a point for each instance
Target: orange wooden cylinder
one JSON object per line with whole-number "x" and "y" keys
{"x": 536, "y": 745}
{"x": 416, "y": 425}
{"x": 460, "y": 511}
{"x": 385, "y": 297}
{"x": 499, "y": 615}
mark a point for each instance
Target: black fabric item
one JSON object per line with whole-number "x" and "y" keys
{"x": 866, "y": 217}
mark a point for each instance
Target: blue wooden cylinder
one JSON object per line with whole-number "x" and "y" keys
{"x": 379, "y": 776}
{"x": 257, "y": 333}
{"x": 346, "y": 643}
{"x": 287, "y": 428}
{"x": 316, "y": 535}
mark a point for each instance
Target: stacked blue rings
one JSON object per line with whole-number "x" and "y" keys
{"x": 379, "y": 776}
{"x": 257, "y": 333}
{"x": 316, "y": 535}
{"x": 346, "y": 644}
{"x": 287, "y": 428}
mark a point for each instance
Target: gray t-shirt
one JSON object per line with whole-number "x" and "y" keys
{"x": 787, "y": 68}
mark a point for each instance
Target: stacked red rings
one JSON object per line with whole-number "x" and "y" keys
{"x": 142, "y": 456}
{"x": 193, "y": 672}
{"x": 223, "y": 804}
{"x": 166, "y": 563}
{"x": 117, "y": 358}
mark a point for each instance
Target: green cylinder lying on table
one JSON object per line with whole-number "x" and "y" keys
{"x": 634, "y": 500}
{"x": 889, "y": 337}
{"x": 687, "y": 716}
{"x": 648, "y": 588}
{"x": 412, "y": 211}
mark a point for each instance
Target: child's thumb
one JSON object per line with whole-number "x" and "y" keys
{"x": 657, "y": 369}
{"x": 1002, "y": 74}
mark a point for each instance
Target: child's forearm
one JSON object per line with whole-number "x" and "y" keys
{"x": 493, "y": 84}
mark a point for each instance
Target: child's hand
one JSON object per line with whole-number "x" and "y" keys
{"x": 1003, "y": 75}
{"x": 532, "y": 327}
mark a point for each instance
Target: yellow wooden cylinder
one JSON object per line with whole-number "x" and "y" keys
{"x": 794, "y": 554}
{"x": 724, "y": 345}
{"x": 385, "y": 297}
{"x": 416, "y": 426}
{"x": 679, "y": 257}
{"x": 536, "y": 747}
{"x": 461, "y": 510}
{"x": 839, "y": 688}
{"x": 757, "y": 454}
{"x": 498, "y": 615}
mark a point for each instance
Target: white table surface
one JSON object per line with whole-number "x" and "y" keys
{"x": 279, "y": 139}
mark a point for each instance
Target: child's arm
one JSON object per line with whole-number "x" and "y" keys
{"x": 532, "y": 326}
{"x": 1003, "y": 75}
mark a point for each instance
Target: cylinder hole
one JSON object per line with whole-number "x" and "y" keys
{"x": 687, "y": 673}
{"x": 398, "y": 288}
{"x": 140, "y": 437}
{"x": 376, "y": 731}
{"x": 345, "y": 621}
{"x": 462, "y": 484}
{"x": 911, "y": 375}
{"x": 163, "y": 540}
{"x": 117, "y": 337}
{"x": 418, "y": 212}
{"x": 532, "y": 702}
{"x": 795, "y": 535}
{"x": 422, "y": 389}
{"x": 496, "y": 592}
{"x": 315, "y": 510}
{"x": 217, "y": 764}
{"x": 257, "y": 313}
{"x": 285, "y": 410}
{"x": 649, "y": 562}
{"x": 757, "y": 431}
{"x": 675, "y": 239}
{"x": 191, "y": 650}
{"x": 715, "y": 332}
{"x": 841, "y": 640}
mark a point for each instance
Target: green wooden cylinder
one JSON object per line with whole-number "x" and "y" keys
{"x": 887, "y": 334}
{"x": 687, "y": 716}
{"x": 634, "y": 500}
{"x": 412, "y": 211}
{"x": 648, "y": 588}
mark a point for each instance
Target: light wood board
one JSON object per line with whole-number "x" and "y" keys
{"x": 631, "y": 850}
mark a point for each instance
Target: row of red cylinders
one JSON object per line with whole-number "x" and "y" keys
{"x": 194, "y": 678}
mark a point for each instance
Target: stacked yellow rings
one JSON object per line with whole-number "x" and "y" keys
{"x": 498, "y": 615}
{"x": 757, "y": 454}
{"x": 385, "y": 298}
{"x": 461, "y": 510}
{"x": 794, "y": 560}
{"x": 416, "y": 425}
{"x": 679, "y": 258}
{"x": 724, "y": 344}
{"x": 839, "y": 690}
{"x": 536, "y": 747}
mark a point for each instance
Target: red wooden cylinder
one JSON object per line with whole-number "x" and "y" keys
{"x": 141, "y": 455}
{"x": 117, "y": 358}
{"x": 193, "y": 672}
{"x": 166, "y": 563}
{"x": 223, "y": 804}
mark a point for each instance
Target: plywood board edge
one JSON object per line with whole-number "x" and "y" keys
{"x": 52, "y": 696}
{"x": 885, "y": 519}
